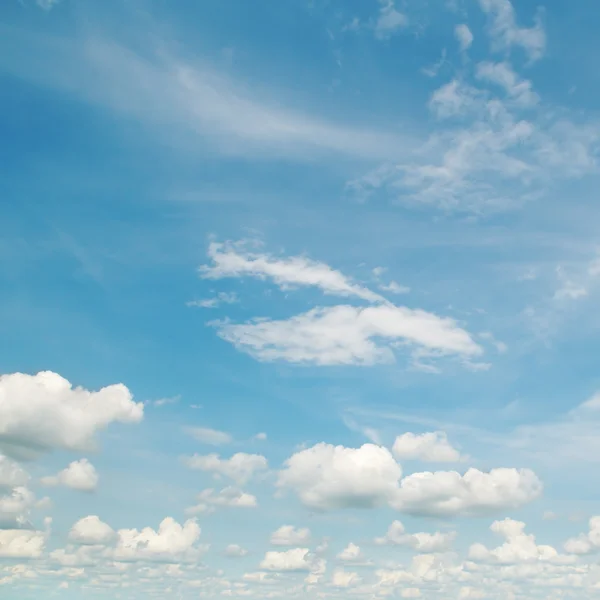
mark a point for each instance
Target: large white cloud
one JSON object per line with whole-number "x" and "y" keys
{"x": 350, "y": 335}
{"x": 448, "y": 493}
{"x": 296, "y": 559}
{"x": 172, "y": 542}
{"x": 288, "y": 535}
{"x": 241, "y": 467}
{"x": 396, "y": 535}
{"x": 90, "y": 531}
{"x": 79, "y": 475}
{"x": 21, "y": 543}
{"x": 326, "y": 476}
{"x": 44, "y": 411}
{"x": 329, "y": 477}
{"x": 586, "y": 542}
{"x": 234, "y": 260}
{"x": 430, "y": 447}
{"x": 519, "y": 547}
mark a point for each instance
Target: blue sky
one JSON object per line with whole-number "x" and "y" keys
{"x": 281, "y": 277}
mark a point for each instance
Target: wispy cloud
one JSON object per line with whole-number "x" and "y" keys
{"x": 190, "y": 102}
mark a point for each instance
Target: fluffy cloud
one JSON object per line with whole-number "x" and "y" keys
{"x": 241, "y": 467}
{"x": 79, "y": 475}
{"x": 44, "y": 411}
{"x": 21, "y": 543}
{"x": 389, "y": 20}
{"x": 351, "y": 554}
{"x": 448, "y": 493}
{"x": 209, "y": 436}
{"x": 344, "y": 579}
{"x": 288, "y": 535}
{"x": 422, "y": 542}
{"x": 233, "y": 260}
{"x": 430, "y": 447}
{"x": 209, "y": 500}
{"x": 505, "y": 32}
{"x": 326, "y": 476}
{"x": 586, "y": 542}
{"x": 171, "y": 543}
{"x": 350, "y": 335}
{"x": 296, "y": 559}
{"x": 91, "y": 531}
{"x": 518, "y": 548}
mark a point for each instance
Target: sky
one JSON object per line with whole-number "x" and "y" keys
{"x": 299, "y": 299}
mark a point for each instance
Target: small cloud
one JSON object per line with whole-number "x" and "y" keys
{"x": 165, "y": 401}
{"x": 549, "y": 516}
{"x": 464, "y": 36}
{"x": 394, "y": 288}
{"x": 389, "y": 20}
{"x": 260, "y": 436}
{"x": 47, "y": 5}
{"x": 205, "y": 435}
{"x": 220, "y": 298}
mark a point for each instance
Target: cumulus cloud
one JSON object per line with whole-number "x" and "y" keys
{"x": 234, "y": 260}
{"x": 11, "y": 474}
{"x": 79, "y": 475}
{"x": 329, "y": 477}
{"x": 448, "y": 493}
{"x": 172, "y": 542}
{"x": 518, "y": 548}
{"x": 429, "y": 447}
{"x": 506, "y": 33}
{"x": 209, "y": 500}
{"x": 241, "y": 467}
{"x": 288, "y": 535}
{"x": 296, "y": 559}
{"x": 91, "y": 531}
{"x": 15, "y": 507}
{"x": 212, "y": 437}
{"x": 464, "y": 36}
{"x": 43, "y": 412}
{"x": 344, "y": 579}
{"x": 21, "y": 543}
{"x": 586, "y": 542}
{"x": 344, "y": 335}
{"x": 396, "y": 535}
{"x": 352, "y": 554}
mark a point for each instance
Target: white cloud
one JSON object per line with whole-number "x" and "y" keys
{"x": 448, "y": 493}
{"x": 288, "y": 535}
{"x": 586, "y": 542}
{"x": 502, "y": 74}
{"x": 422, "y": 542}
{"x": 12, "y": 474}
{"x": 79, "y": 475}
{"x": 351, "y": 554}
{"x": 296, "y": 559}
{"x": 518, "y": 548}
{"x": 216, "y": 301}
{"x": 394, "y": 288}
{"x": 261, "y": 437}
{"x": 42, "y": 412}
{"x": 464, "y": 36}
{"x": 241, "y": 467}
{"x": 21, "y": 543}
{"x": 235, "y": 551}
{"x": 350, "y": 335}
{"x": 410, "y": 593}
{"x": 452, "y": 99}
{"x": 429, "y": 447}
{"x": 344, "y": 579}
{"x": 91, "y": 531}
{"x": 171, "y": 543}
{"x": 47, "y": 5}
{"x": 234, "y": 260}
{"x": 327, "y": 477}
{"x": 389, "y": 20}
{"x": 205, "y": 435}
{"x": 15, "y": 507}
{"x": 209, "y": 500}
{"x": 505, "y": 32}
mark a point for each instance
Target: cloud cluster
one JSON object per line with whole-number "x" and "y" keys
{"x": 79, "y": 475}
{"x": 241, "y": 467}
